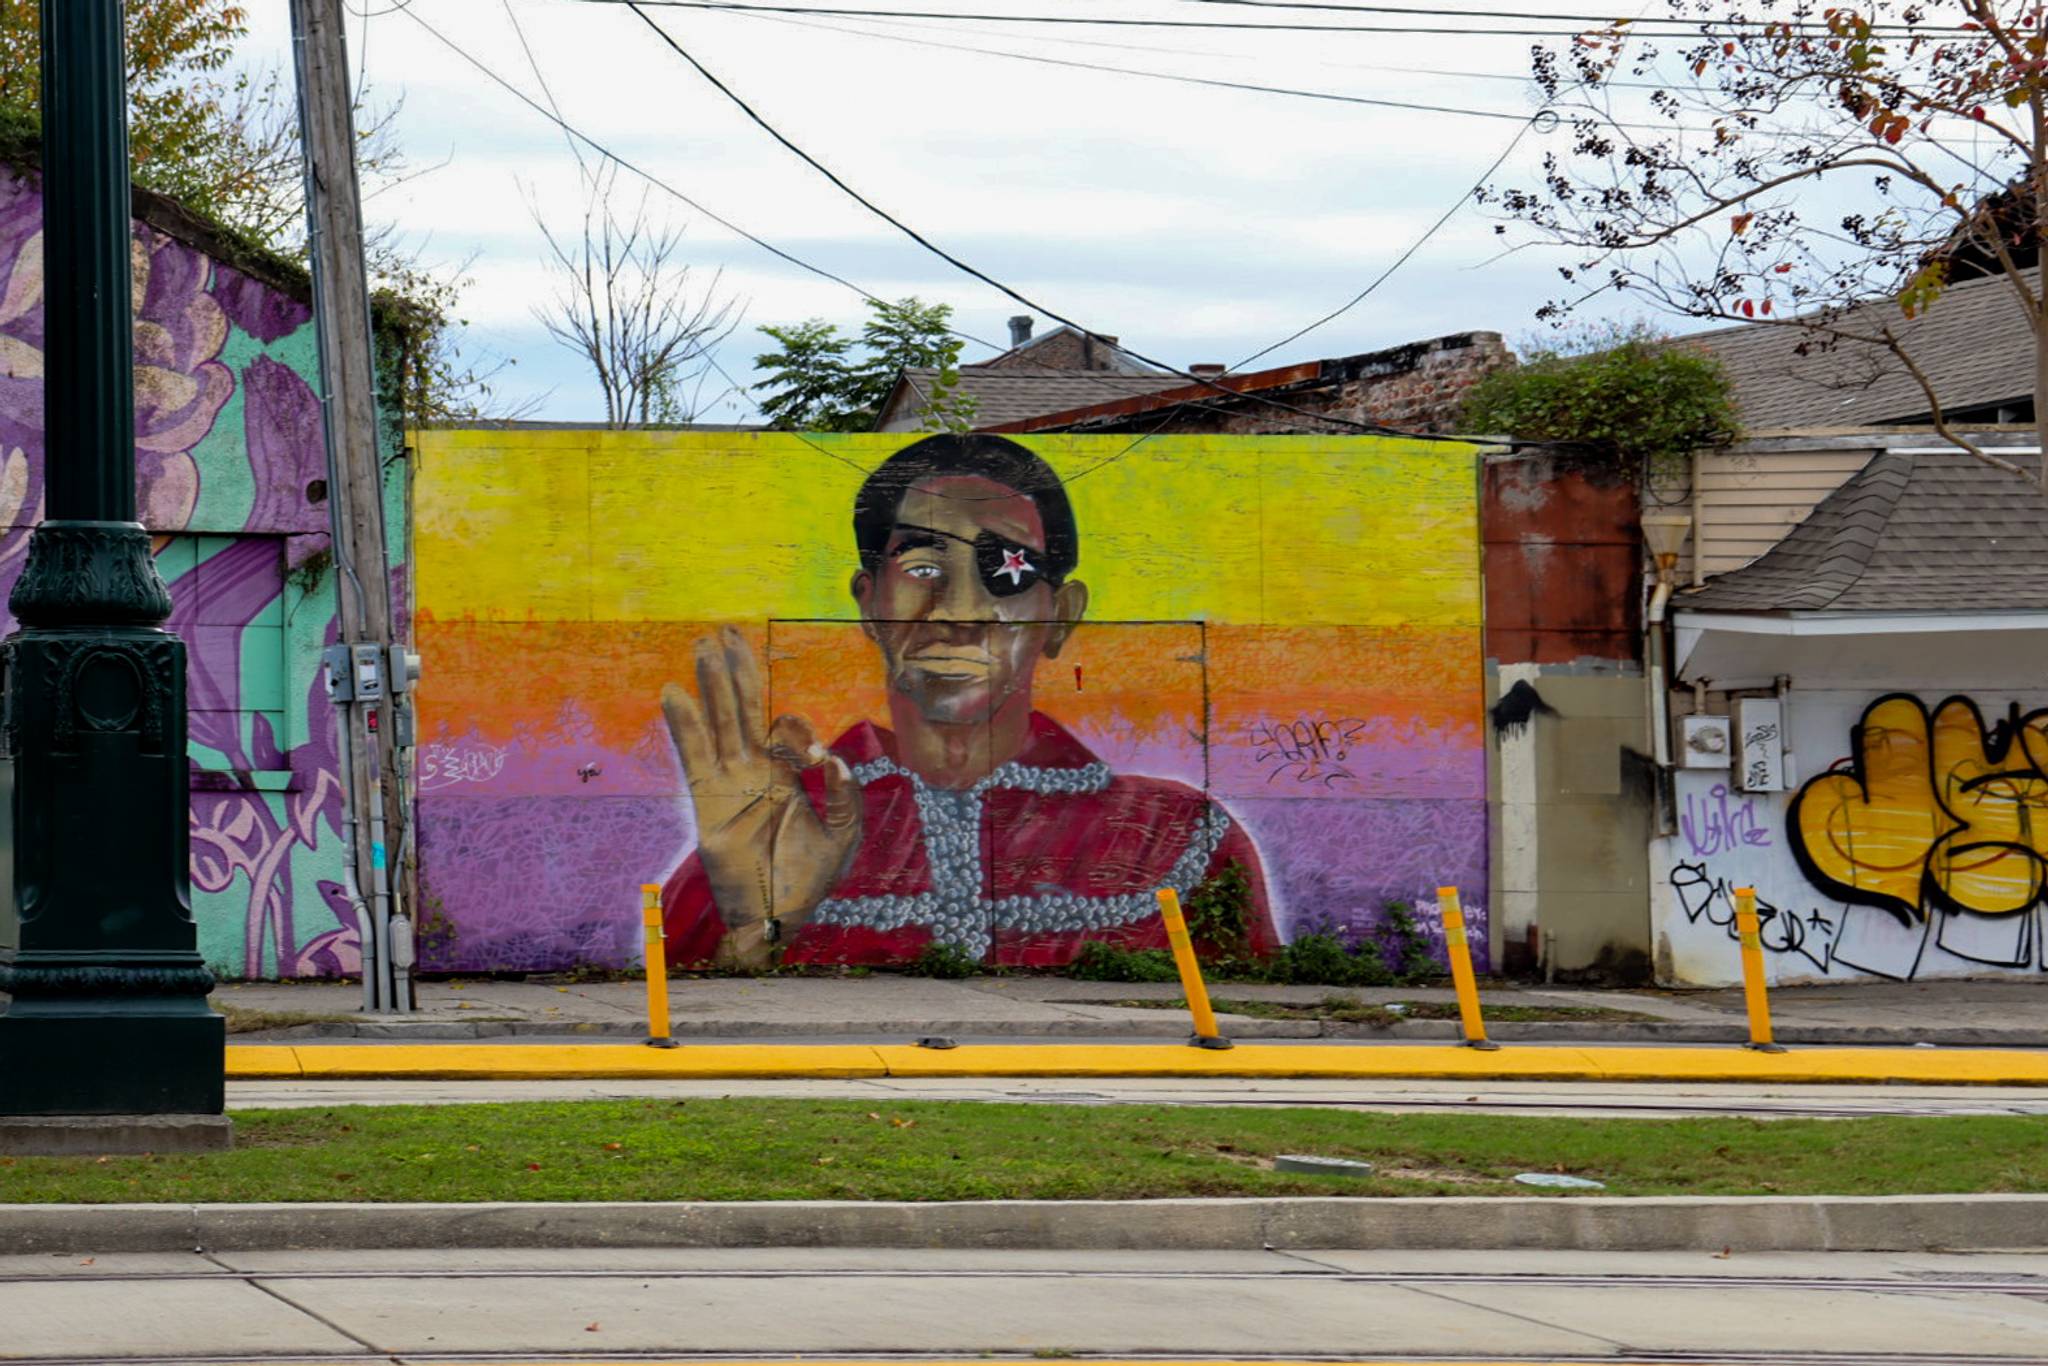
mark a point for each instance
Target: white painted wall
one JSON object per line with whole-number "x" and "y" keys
{"x": 1728, "y": 839}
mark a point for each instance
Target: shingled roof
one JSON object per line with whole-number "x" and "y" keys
{"x": 1974, "y": 344}
{"x": 1912, "y": 532}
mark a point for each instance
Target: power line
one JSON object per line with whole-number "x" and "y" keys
{"x": 1638, "y": 23}
{"x": 1101, "y": 21}
{"x": 1155, "y": 49}
{"x": 576, "y": 135}
{"x": 914, "y": 235}
{"x": 1076, "y": 476}
{"x": 1404, "y": 257}
{"x": 1178, "y": 77}
{"x": 982, "y": 275}
{"x": 1536, "y": 118}
{"x": 655, "y": 180}
{"x": 1400, "y": 260}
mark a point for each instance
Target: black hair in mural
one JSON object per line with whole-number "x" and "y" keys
{"x": 1005, "y": 567}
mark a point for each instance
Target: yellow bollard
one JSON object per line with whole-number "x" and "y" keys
{"x": 1460, "y": 954}
{"x": 657, "y": 967}
{"x": 1206, "y": 1034}
{"x": 1750, "y": 936}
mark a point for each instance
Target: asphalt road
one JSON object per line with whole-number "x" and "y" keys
{"x": 621, "y": 1304}
{"x": 1644, "y": 1100}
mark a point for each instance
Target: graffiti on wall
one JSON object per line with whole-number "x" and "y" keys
{"x": 960, "y": 691}
{"x": 1707, "y": 899}
{"x": 1937, "y": 820}
{"x": 228, "y": 454}
{"x": 1923, "y": 850}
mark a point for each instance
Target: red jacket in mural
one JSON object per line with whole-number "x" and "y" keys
{"x": 1048, "y": 851}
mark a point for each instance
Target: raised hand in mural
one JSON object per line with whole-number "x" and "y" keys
{"x": 769, "y": 852}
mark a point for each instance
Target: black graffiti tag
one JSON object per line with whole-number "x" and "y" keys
{"x": 1703, "y": 896}
{"x": 1307, "y": 751}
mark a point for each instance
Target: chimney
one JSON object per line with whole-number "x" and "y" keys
{"x": 1020, "y": 330}
{"x": 1207, "y": 371}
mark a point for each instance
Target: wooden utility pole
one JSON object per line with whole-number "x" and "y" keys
{"x": 359, "y": 677}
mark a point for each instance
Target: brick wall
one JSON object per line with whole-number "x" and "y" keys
{"x": 1426, "y": 393}
{"x": 1418, "y": 387}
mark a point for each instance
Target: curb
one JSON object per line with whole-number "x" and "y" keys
{"x": 571, "y": 1061}
{"x": 1173, "y": 1026}
{"x": 1905, "y": 1223}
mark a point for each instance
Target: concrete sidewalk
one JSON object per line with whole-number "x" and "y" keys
{"x": 962, "y": 1305}
{"x": 882, "y": 1005}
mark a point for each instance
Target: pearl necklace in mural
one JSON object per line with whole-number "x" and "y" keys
{"x": 958, "y": 910}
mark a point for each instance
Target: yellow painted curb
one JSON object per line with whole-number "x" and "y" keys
{"x": 1701, "y": 1063}
{"x": 447, "y": 1062}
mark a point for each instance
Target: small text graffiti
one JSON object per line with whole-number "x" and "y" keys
{"x": 448, "y": 765}
{"x": 1717, "y": 824}
{"x": 1306, "y": 751}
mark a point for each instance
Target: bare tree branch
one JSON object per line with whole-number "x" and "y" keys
{"x": 625, "y": 303}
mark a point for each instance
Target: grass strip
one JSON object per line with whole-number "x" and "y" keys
{"x": 731, "y": 1149}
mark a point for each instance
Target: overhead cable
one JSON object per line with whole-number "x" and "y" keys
{"x": 656, "y": 181}
{"x": 967, "y": 269}
{"x": 1107, "y": 21}
{"x": 1638, "y": 24}
{"x": 1175, "y": 76}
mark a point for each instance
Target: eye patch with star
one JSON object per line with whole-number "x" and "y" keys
{"x": 1007, "y": 568}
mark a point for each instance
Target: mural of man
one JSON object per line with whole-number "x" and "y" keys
{"x": 975, "y": 820}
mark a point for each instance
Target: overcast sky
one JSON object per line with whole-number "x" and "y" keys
{"x": 1198, "y": 224}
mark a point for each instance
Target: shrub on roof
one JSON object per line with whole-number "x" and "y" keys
{"x": 1627, "y": 390}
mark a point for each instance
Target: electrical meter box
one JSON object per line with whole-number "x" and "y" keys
{"x": 1705, "y": 742}
{"x": 1760, "y": 744}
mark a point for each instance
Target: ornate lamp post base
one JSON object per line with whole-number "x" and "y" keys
{"x": 107, "y": 1010}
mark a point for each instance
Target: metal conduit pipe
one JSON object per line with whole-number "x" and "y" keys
{"x": 366, "y": 932}
{"x": 1660, "y": 700}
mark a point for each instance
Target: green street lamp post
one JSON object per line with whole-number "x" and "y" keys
{"x": 99, "y": 955}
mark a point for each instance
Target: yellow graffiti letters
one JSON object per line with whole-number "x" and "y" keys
{"x": 1930, "y": 811}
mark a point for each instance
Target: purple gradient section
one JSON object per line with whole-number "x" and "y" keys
{"x": 529, "y": 766}
{"x": 540, "y": 884}
{"x": 1376, "y": 759}
{"x": 1179, "y": 759}
{"x": 1335, "y": 863}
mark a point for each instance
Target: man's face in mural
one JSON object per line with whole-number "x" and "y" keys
{"x": 959, "y": 603}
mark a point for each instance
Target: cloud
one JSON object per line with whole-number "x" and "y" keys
{"x": 1198, "y": 224}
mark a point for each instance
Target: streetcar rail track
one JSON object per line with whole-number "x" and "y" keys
{"x": 926, "y": 1358}
{"x": 2026, "y": 1285}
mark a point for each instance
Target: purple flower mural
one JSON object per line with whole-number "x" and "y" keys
{"x": 242, "y": 548}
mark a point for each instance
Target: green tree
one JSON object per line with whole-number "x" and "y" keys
{"x": 1826, "y": 171}
{"x": 177, "y": 49}
{"x": 226, "y": 145}
{"x": 807, "y": 378}
{"x": 813, "y": 385}
{"x": 1624, "y": 389}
